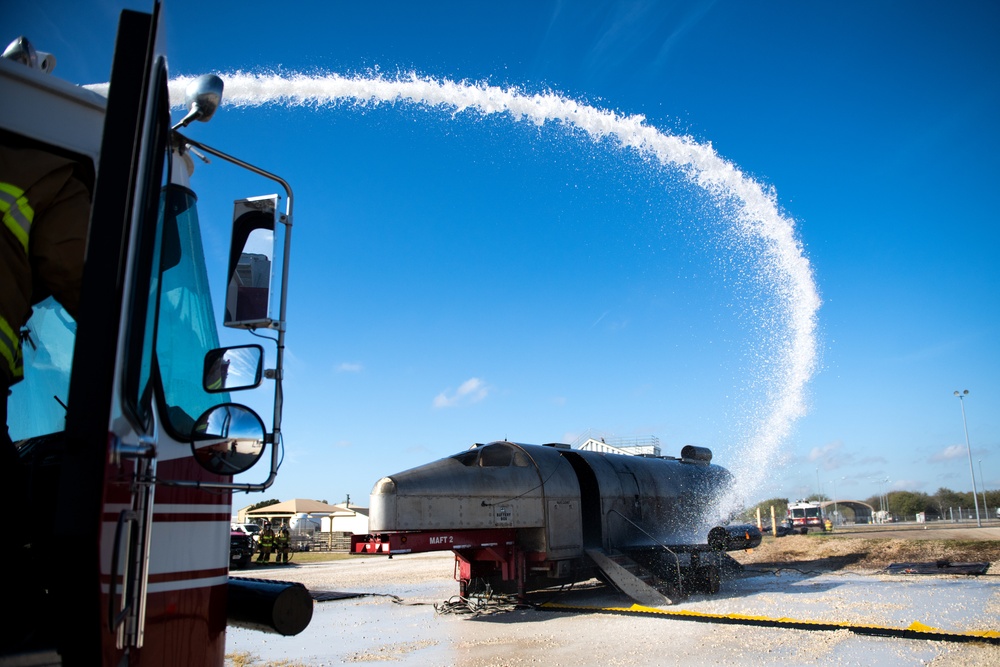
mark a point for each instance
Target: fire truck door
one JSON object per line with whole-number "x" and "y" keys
{"x": 108, "y": 420}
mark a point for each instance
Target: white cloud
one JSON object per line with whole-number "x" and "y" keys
{"x": 832, "y": 456}
{"x": 350, "y": 367}
{"x": 948, "y": 453}
{"x": 825, "y": 451}
{"x": 907, "y": 485}
{"x": 471, "y": 391}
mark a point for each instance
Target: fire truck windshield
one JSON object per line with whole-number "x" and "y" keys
{"x": 185, "y": 332}
{"x": 806, "y": 512}
{"x": 186, "y": 328}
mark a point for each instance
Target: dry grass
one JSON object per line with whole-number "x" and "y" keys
{"x": 864, "y": 554}
{"x": 321, "y": 556}
{"x": 245, "y": 659}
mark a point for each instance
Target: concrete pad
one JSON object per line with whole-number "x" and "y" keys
{"x": 377, "y": 629}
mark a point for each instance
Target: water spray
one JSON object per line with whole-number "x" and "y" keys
{"x": 750, "y": 210}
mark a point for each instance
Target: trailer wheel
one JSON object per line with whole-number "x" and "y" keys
{"x": 803, "y": 531}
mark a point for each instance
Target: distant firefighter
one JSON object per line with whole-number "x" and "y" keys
{"x": 282, "y": 544}
{"x": 266, "y": 544}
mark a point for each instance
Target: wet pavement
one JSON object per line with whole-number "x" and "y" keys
{"x": 376, "y": 628}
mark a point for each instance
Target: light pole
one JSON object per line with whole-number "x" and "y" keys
{"x": 986, "y": 509}
{"x": 975, "y": 498}
{"x": 887, "y": 512}
{"x": 836, "y": 511}
{"x": 881, "y": 501}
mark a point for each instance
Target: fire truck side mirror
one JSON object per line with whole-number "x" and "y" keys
{"x": 233, "y": 368}
{"x": 251, "y": 264}
{"x": 228, "y": 439}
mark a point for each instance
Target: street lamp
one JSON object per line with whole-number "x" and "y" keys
{"x": 975, "y": 498}
{"x": 986, "y": 509}
{"x": 887, "y": 487}
{"x": 836, "y": 511}
{"x": 881, "y": 499}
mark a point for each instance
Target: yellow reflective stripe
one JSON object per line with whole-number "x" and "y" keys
{"x": 17, "y": 212}
{"x": 10, "y": 350}
{"x": 915, "y": 630}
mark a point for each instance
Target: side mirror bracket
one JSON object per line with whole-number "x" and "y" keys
{"x": 274, "y": 323}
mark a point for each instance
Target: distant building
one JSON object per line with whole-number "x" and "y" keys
{"x": 637, "y": 446}
{"x": 347, "y": 519}
{"x": 281, "y": 513}
{"x": 332, "y": 518}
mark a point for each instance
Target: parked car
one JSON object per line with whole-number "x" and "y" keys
{"x": 783, "y": 528}
{"x": 251, "y": 529}
{"x": 241, "y": 548}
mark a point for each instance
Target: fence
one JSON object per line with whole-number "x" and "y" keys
{"x": 336, "y": 541}
{"x": 951, "y": 515}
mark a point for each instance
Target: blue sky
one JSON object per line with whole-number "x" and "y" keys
{"x": 459, "y": 278}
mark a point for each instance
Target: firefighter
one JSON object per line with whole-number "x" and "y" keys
{"x": 266, "y": 544}
{"x": 46, "y": 211}
{"x": 282, "y": 544}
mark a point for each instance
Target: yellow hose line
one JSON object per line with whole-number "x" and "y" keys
{"x": 915, "y": 630}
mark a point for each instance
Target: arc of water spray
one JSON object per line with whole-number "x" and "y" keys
{"x": 754, "y": 212}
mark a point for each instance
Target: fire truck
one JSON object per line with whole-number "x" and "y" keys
{"x": 126, "y": 430}
{"x": 806, "y": 516}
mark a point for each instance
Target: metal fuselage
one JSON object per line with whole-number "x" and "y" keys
{"x": 527, "y": 513}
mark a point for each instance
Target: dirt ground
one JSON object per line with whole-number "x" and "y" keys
{"x": 830, "y": 578}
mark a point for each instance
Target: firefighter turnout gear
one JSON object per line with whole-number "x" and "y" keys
{"x": 282, "y": 546}
{"x": 266, "y": 545}
{"x": 46, "y": 211}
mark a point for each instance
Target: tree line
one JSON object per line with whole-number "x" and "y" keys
{"x": 900, "y": 504}
{"x": 940, "y": 505}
